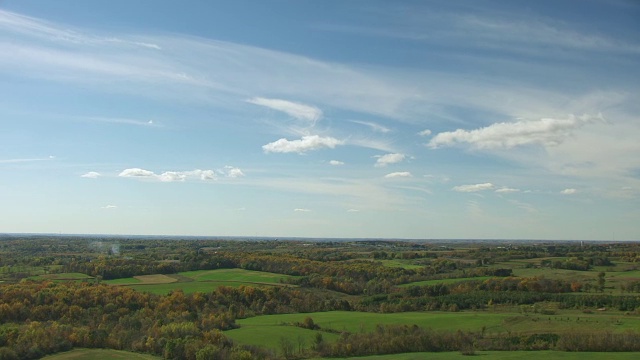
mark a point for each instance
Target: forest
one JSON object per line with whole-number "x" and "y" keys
{"x": 195, "y": 298}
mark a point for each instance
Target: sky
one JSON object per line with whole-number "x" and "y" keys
{"x": 325, "y": 119}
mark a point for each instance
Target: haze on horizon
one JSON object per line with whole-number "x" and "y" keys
{"x": 402, "y": 119}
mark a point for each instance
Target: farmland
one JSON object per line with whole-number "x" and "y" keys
{"x": 322, "y": 299}
{"x": 99, "y": 354}
{"x": 200, "y": 281}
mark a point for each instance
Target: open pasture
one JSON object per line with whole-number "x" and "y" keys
{"x": 490, "y": 322}
{"x": 63, "y": 277}
{"x": 99, "y": 354}
{"x": 445, "y": 281}
{"x": 235, "y": 275}
{"x": 271, "y": 336}
{"x": 505, "y": 355}
{"x": 405, "y": 264}
{"x": 200, "y": 281}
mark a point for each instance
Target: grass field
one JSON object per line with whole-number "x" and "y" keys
{"x": 445, "y": 281}
{"x": 200, "y": 281}
{"x": 406, "y": 264}
{"x": 492, "y": 322}
{"x": 63, "y": 277}
{"x": 235, "y": 275}
{"x": 505, "y": 355}
{"x": 99, "y": 354}
{"x": 270, "y": 336}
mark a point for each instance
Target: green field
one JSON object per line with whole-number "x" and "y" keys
{"x": 98, "y": 354}
{"x": 200, "y": 281}
{"x": 445, "y": 281}
{"x": 406, "y": 264}
{"x": 63, "y": 277}
{"x": 235, "y": 275}
{"x": 505, "y": 355}
{"x": 123, "y": 281}
{"x": 492, "y": 322}
{"x": 270, "y": 336}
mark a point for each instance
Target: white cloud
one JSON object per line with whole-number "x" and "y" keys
{"x": 233, "y": 172}
{"x": 171, "y": 176}
{"x": 336, "y": 163}
{"x": 293, "y": 109}
{"x": 307, "y": 143}
{"x": 123, "y": 121}
{"x": 506, "y": 190}
{"x": 568, "y": 191}
{"x": 91, "y": 175}
{"x": 301, "y": 210}
{"x": 10, "y": 161}
{"x": 387, "y": 159}
{"x": 375, "y": 127}
{"x": 176, "y": 176}
{"x": 206, "y": 174}
{"x": 109, "y": 207}
{"x": 136, "y": 172}
{"x": 546, "y": 132}
{"x": 353, "y": 210}
{"x": 425, "y": 132}
{"x": 398, "y": 174}
{"x": 473, "y": 188}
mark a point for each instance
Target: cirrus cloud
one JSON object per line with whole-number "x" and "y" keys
{"x": 399, "y": 174}
{"x": 568, "y": 191}
{"x": 293, "y": 109}
{"x": 473, "y": 187}
{"x": 546, "y": 132}
{"x": 306, "y": 143}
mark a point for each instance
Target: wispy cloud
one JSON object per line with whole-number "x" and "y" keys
{"x": 336, "y": 162}
{"x": 301, "y": 210}
{"x": 293, "y": 109}
{"x": 307, "y": 143}
{"x": 546, "y": 132}
{"x": 425, "y": 132}
{"x": 178, "y": 176}
{"x": 25, "y": 160}
{"x": 123, "y": 121}
{"x": 569, "y": 191}
{"x": 109, "y": 207}
{"x": 506, "y": 190}
{"x": 399, "y": 174}
{"x": 91, "y": 175}
{"x": 373, "y": 126}
{"x": 474, "y": 187}
{"x": 387, "y": 159}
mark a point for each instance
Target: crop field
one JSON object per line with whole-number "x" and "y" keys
{"x": 99, "y": 354}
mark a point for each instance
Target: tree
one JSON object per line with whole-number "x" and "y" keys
{"x": 601, "y": 281}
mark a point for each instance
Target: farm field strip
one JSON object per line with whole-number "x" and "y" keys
{"x": 492, "y": 322}
{"x": 503, "y": 355}
{"x": 99, "y": 354}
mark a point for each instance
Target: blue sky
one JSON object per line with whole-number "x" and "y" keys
{"x": 384, "y": 119}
